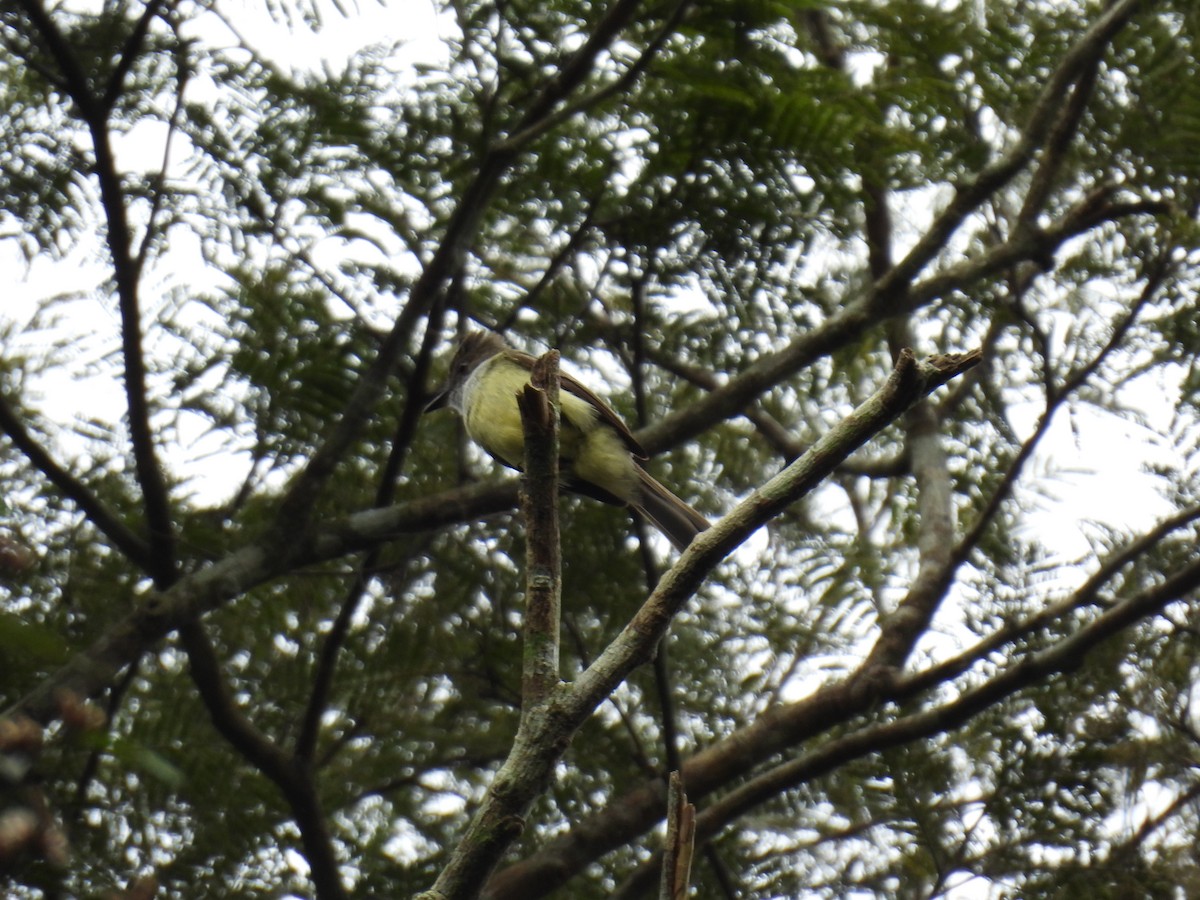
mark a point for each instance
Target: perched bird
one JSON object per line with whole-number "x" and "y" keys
{"x": 598, "y": 455}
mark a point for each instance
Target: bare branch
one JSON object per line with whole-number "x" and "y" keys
{"x": 295, "y": 781}
{"x": 909, "y": 382}
{"x": 543, "y": 556}
{"x": 214, "y": 585}
{"x": 500, "y": 818}
{"x": 679, "y": 845}
{"x": 1065, "y": 655}
{"x": 94, "y": 112}
{"x": 133, "y": 546}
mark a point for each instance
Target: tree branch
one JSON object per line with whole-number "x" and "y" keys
{"x": 579, "y": 66}
{"x": 552, "y": 119}
{"x": 909, "y": 382}
{"x": 500, "y": 818}
{"x": 728, "y": 759}
{"x": 129, "y": 54}
{"x": 156, "y": 500}
{"x": 1056, "y": 396}
{"x": 318, "y": 700}
{"x": 940, "y": 556}
{"x": 293, "y": 778}
{"x": 896, "y": 293}
{"x": 1064, "y": 656}
{"x": 543, "y": 557}
{"x": 679, "y": 845}
{"x": 1085, "y": 595}
{"x": 160, "y": 178}
{"x": 214, "y": 585}
{"x": 134, "y": 547}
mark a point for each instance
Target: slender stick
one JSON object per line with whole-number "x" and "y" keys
{"x": 680, "y": 844}
{"x": 543, "y": 557}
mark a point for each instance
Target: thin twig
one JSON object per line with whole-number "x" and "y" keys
{"x": 322, "y": 686}
{"x": 1064, "y": 656}
{"x": 134, "y": 547}
{"x": 294, "y": 780}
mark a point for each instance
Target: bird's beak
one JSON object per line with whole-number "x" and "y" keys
{"x": 438, "y": 400}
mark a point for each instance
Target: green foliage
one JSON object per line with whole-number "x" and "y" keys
{"x": 691, "y": 221}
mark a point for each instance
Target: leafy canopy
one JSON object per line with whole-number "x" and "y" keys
{"x": 961, "y": 660}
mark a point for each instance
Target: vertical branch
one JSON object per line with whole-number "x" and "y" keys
{"x": 94, "y": 111}
{"x": 679, "y": 846}
{"x": 327, "y": 658}
{"x": 922, "y": 424}
{"x": 145, "y": 456}
{"x": 539, "y": 505}
{"x": 663, "y": 685}
{"x": 294, "y": 777}
{"x": 541, "y": 736}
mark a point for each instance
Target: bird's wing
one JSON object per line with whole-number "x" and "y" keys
{"x": 572, "y": 386}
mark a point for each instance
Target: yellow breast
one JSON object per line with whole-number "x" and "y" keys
{"x": 589, "y": 448}
{"x": 490, "y": 409}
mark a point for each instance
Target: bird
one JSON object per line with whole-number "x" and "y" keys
{"x": 598, "y": 455}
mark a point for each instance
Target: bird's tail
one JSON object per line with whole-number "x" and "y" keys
{"x": 674, "y": 518}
